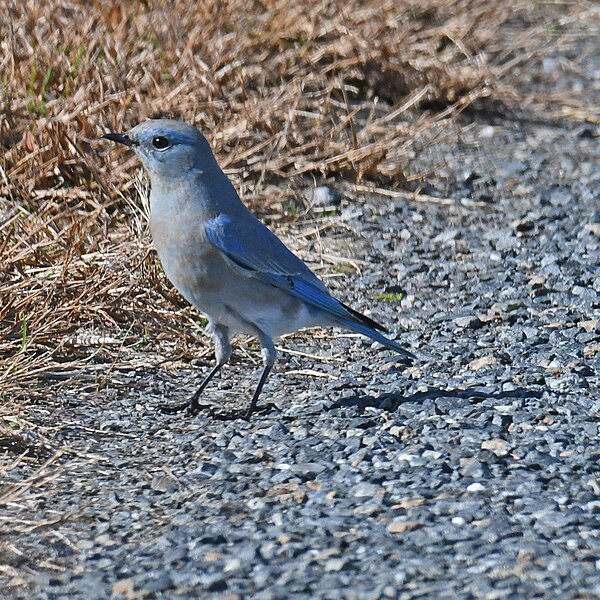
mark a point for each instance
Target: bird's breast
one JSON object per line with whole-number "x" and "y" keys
{"x": 186, "y": 255}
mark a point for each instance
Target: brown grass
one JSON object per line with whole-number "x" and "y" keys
{"x": 285, "y": 91}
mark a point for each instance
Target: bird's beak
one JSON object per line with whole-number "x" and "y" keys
{"x": 121, "y": 138}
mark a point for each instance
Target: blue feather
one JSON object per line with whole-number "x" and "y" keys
{"x": 276, "y": 265}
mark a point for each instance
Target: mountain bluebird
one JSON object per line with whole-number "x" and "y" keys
{"x": 222, "y": 259}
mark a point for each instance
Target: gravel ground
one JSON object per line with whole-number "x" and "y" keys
{"x": 473, "y": 474}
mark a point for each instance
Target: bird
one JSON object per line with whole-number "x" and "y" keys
{"x": 223, "y": 260}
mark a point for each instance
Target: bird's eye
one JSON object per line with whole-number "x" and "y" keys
{"x": 160, "y": 142}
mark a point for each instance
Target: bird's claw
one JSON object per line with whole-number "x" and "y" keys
{"x": 193, "y": 408}
{"x": 190, "y": 407}
{"x": 233, "y": 415}
{"x": 260, "y": 410}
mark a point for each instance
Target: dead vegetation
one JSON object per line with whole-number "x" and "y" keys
{"x": 283, "y": 90}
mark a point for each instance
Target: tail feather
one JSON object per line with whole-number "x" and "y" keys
{"x": 362, "y": 324}
{"x": 364, "y": 319}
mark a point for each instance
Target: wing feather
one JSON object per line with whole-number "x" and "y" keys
{"x": 253, "y": 250}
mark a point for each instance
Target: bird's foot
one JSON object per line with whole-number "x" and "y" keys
{"x": 233, "y": 415}
{"x": 193, "y": 407}
{"x": 190, "y": 407}
{"x": 263, "y": 409}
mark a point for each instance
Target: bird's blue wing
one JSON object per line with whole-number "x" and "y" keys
{"x": 248, "y": 242}
{"x": 254, "y": 251}
{"x": 257, "y": 252}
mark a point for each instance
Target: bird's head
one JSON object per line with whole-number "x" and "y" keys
{"x": 168, "y": 149}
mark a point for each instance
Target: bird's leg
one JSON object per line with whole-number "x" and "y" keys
{"x": 269, "y": 354}
{"x": 259, "y": 387}
{"x": 193, "y": 404}
{"x": 220, "y": 334}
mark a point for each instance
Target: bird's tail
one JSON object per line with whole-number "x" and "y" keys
{"x": 362, "y": 324}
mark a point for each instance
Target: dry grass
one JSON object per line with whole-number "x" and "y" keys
{"x": 284, "y": 90}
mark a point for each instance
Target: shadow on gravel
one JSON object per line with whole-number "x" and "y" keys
{"x": 392, "y": 401}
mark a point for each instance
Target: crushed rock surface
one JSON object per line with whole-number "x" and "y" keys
{"x": 473, "y": 474}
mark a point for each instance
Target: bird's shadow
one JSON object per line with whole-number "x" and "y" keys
{"x": 391, "y": 401}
